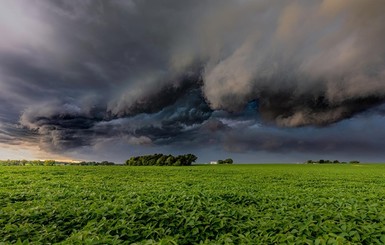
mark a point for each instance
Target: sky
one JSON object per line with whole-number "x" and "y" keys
{"x": 254, "y": 80}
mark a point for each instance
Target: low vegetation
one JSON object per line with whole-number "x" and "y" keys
{"x": 227, "y": 204}
{"x": 27, "y": 162}
{"x": 322, "y": 161}
{"x": 51, "y": 163}
{"x": 162, "y": 160}
{"x": 226, "y": 161}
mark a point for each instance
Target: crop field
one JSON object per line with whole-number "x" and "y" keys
{"x": 235, "y": 204}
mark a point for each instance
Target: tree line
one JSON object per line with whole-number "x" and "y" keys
{"x": 27, "y": 162}
{"x": 322, "y": 161}
{"x": 162, "y": 160}
{"x": 146, "y": 160}
{"x": 103, "y": 163}
{"x": 51, "y": 163}
{"x": 226, "y": 161}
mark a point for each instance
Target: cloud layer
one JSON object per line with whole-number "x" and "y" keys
{"x": 241, "y": 75}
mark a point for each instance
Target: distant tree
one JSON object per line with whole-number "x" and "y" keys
{"x": 170, "y": 160}
{"x": 322, "y": 161}
{"x": 354, "y": 161}
{"x": 161, "y": 160}
{"x": 177, "y": 163}
{"x": 49, "y": 162}
{"x": 228, "y": 161}
{"x": 130, "y": 162}
{"x": 36, "y": 163}
{"x": 151, "y": 159}
{"x": 191, "y": 158}
{"x": 105, "y": 163}
{"x": 180, "y": 161}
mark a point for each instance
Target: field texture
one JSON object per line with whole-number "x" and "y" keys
{"x": 239, "y": 204}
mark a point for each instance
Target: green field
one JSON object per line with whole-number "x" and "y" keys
{"x": 238, "y": 204}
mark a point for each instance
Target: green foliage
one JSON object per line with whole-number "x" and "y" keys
{"x": 103, "y": 163}
{"x": 21, "y": 163}
{"x": 49, "y": 163}
{"x": 226, "y": 161}
{"x": 328, "y": 162}
{"x": 237, "y": 204}
{"x": 162, "y": 160}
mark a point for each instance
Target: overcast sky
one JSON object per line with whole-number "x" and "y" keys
{"x": 258, "y": 81}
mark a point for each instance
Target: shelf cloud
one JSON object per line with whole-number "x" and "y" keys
{"x": 238, "y": 76}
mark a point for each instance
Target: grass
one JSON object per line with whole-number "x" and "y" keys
{"x": 236, "y": 204}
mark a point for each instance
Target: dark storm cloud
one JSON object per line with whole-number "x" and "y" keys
{"x": 12, "y": 134}
{"x": 159, "y": 97}
{"x": 69, "y": 126}
{"x": 189, "y": 73}
{"x": 309, "y": 63}
{"x": 345, "y": 139}
{"x": 286, "y": 109}
{"x": 176, "y": 119}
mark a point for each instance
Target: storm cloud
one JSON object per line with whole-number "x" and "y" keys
{"x": 236, "y": 75}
